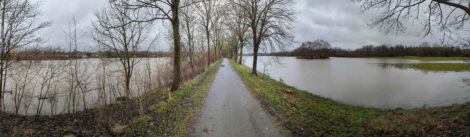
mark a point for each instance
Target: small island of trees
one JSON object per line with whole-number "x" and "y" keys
{"x": 318, "y": 49}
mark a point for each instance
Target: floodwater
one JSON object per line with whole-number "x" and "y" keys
{"x": 369, "y": 82}
{"x": 44, "y": 86}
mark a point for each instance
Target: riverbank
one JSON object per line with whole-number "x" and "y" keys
{"x": 157, "y": 113}
{"x": 422, "y": 58}
{"x": 305, "y": 114}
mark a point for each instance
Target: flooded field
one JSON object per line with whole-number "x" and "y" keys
{"x": 48, "y": 87}
{"x": 369, "y": 82}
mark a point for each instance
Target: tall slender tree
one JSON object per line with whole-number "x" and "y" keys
{"x": 218, "y": 27}
{"x": 237, "y": 22}
{"x": 206, "y": 11}
{"x": 189, "y": 27}
{"x": 165, "y": 10}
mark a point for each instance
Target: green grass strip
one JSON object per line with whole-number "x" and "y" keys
{"x": 305, "y": 114}
{"x": 422, "y": 58}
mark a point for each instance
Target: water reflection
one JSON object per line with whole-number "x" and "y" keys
{"x": 44, "y": 86}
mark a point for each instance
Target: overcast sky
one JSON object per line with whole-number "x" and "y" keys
{"x": 341, "y": 22}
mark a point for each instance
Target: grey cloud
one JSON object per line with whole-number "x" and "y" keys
{"x": 344, "y": 24}
{"x": 60, "y": 14}
{"x": 341, "y": 22}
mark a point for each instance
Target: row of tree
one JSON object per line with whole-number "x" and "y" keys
{"x": 214, "y": 27}
{"x": 322, "y": 49}
{"x": 52, "y": 53}
{"x": 400, "y": 50}
{"x": 224, "y": 26}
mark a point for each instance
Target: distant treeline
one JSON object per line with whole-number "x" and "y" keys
{"x": 57, "y": 53}
{"x": 424, "y": 50}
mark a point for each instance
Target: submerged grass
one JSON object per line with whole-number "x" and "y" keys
{"x": 457, "y": 67}
{"x": 305, "y": 114}
{"x": 423, "y": 58}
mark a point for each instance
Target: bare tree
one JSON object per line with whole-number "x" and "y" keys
{"x": 22, "y": 76}
{"x": 237, "y": 22}
{"x": 206, "y": 11}
{"x": 102, "y": 77}
{"x": 232, "y": 47}
{"x": 17, "y": 28}
{"x": 46, "y": 91}
{"x": 219, "y": 28}
{"x": 447, "y": 15}
{"x": 73, "y": 65}
{"x": 165, "y": 10}
{"x": 124, "y": 41}
{"x": 270, "y": 22}
{"x": 189, "y": 27}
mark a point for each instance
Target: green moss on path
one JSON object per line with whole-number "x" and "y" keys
{"x": 305, "y": 114}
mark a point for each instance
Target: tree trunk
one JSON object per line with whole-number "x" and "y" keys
{"x": 235, "y": 53}
{"x": 191, "y": 57}
{"x": 3, "y": 47}
{"x": 215, "y": 52}
{"x": 1, "y": 86}
{"x": 241, "y": 55}
{"x": 208, "y": 49}
{"x": 255, "y": 49}
{"x": 255, "y": 59}
{"x": 176, "y": 40}
{"x": 190, "y": 44}
{"x": 128, "y": 83}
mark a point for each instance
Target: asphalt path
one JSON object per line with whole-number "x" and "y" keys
{"x": 231, "y": 111}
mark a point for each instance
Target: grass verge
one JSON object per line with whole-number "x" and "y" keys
{"x": 305, "y": 114}
{"x": 423, "y": 58}
{"x": 174, "y": 114}
{"x": 456, "y": 67}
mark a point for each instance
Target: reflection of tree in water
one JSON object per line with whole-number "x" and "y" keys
{"x": 270, "y": 62}
{"x": 466, "y": 78}
{"x": 388, "y": 65}
{"x": 406, "y": 66}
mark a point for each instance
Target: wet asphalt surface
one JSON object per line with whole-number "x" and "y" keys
{"x": 231, "y": 111}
